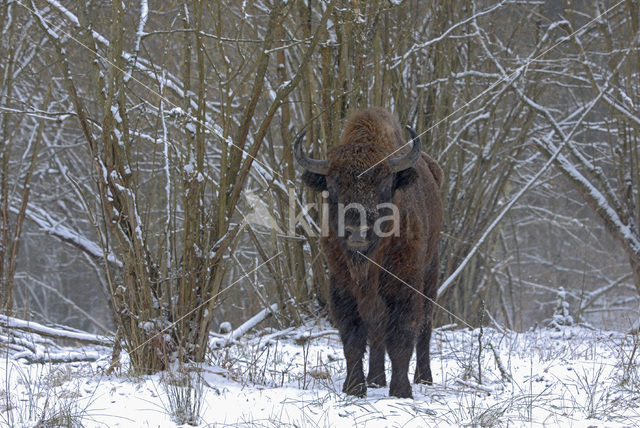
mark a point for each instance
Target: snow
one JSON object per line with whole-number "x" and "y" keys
{"x": 116, "y": 114}
{"x": 176, "y": 111}
{"x": 572, "y": 376}
{"x": 189, "y": 168}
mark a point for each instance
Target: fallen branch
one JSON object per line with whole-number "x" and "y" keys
{"x": 305, "y": 337}
{"x": 503, "y": 371}
{"x": 16, "y": 342}
{"x": 56, "y": 357}
{"x": 42, "y": 330}
{"x": 244, "y": 328}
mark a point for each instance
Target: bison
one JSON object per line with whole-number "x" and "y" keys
{"x": 381, "y": 247}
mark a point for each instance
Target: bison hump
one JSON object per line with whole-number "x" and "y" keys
{"x": 435, "y": 169}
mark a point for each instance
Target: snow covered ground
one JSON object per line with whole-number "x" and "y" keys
{"x": 572, "y": 376}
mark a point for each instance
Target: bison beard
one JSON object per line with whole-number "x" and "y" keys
{"x": 368, "y": 301}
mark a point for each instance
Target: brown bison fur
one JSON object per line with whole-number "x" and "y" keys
{"x": 388, "y": 307}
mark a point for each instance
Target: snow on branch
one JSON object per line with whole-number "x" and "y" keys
{"x": 598, "y": 202}
{"x": 593, "y": 196}
{"x": 33, "y": 342}
{"x": 594, "y": 295}
{"x": 68, "y": 356}
{"x": 57, "y": 333}
{"x": 54, "y": 227}
{"x": 244, "y": 328}
{"x": 144, "y": 66}
{"x": 418, "y": 46}
{"x": 554, "y": 156}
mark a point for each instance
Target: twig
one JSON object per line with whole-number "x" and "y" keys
{"x": 503, "y": 371}
{"x": 305, "y": 337}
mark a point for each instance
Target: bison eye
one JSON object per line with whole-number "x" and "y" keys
{"x": 386, "y": 188}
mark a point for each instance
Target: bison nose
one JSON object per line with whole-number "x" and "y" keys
{"x": 356, "y": 235}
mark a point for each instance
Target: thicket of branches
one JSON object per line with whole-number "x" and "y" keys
{"x": 151, "y": 143}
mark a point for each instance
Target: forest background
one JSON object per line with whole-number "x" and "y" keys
{"x": 148, "y": 188}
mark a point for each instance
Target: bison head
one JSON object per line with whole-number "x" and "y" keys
{"x": 360, "y": 179}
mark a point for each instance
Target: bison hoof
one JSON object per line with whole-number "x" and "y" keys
{"x": 376, "y": 382}
{"x": 358, "y": 390}
{"x": 403, "y": 391}
{"x": 425, "y": 380}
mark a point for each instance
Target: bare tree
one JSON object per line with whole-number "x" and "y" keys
{"x": 17, "y": 161}
{"x": 137, "y": 144}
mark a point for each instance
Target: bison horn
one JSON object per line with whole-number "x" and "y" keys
{"x": 312, "y": 165}
{"x": 407, "y": 161}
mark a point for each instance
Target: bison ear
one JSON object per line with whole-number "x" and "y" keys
{"x": 405, "y": 178}
{"x": 315, "y": 181}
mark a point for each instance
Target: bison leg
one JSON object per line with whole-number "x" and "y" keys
{"x": 399, "y": 340}
{"x": 376, "y": 377}
{"x": 354, "y": 343}
{"x": 423, "y": 366}
{"x": 353, "y": 333}
{"x": 423, "y": 343}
